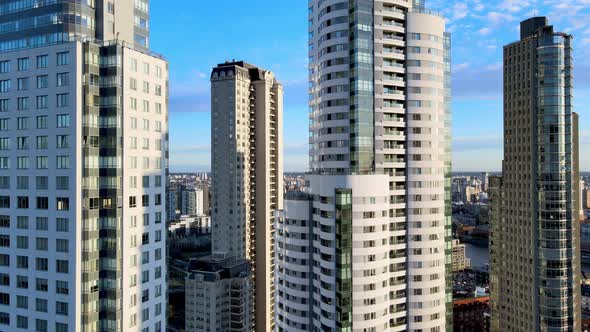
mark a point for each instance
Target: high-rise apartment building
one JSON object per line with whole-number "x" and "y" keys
{"x": 83, "y": 154}
{"x": 368, "y": 248}
{"x": 534, "y": 237}
{"x": 247, "y": 165}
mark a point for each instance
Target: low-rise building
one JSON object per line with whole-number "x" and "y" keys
{"x": 191, "y": 225}
{"x": 471, "y": 314}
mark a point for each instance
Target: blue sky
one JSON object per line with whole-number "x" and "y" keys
{"x": 273, "y": 34}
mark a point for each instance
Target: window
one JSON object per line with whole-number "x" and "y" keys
{"x": 132, "y": 182}
{"x": 133, "y": 64}
{"x": 158, "y": 71}
{"x": 145, "y": 238}
{"x": 145, "y": 200}
{"x": 42, "y": 162}
{"x": 5, "y": 221}
{"x": 4, "y": 318}
{"x": 42, "y": 203}
{"x": 22, "y": 302}
{"x": 158, "y": 108}
{"x": 63, "y": 79}
{"x": 41, "y": 243}
{"x": 5, "y": 86}
{"x": 3, "y": 124}
{"x": 4, "y": 143}
{"x": 145, "y": 276}
{"x": 22, "y": 162}
{"x": 40, "y": 325}
{"x": 62, "y": 183}
{"x": 61, "y": 266}
{"x": 42, "y": 61}
{"x": 145, "y": 257}
{"x": 61, "y": 308}
{"x": 42, "y": 142}
{"x": 22, "y": 182}
{"x": 23, "y": 64}
{"x": 146, "y": 87}
{"x": 158, "y": 273}
{"x": 22, "y": 202}
{"x": 22, "y": 262}
{"x": 132, "y": 83}
{"x": 22, "y": 242}
{"x": 22, "y": 83}
{"x": 146, "y": 106}
{"x": 4, "y": 240}
{"x": 61, "y": 327}
{"x": 3, "y": 102}
{"x": 42, "y": 81}
{"x": 61, "y": 287}
{"x": 146, "y": 124}
{"x": 41, "y": 305}
{"x": 62, "y": 224}
{"x": 42, "y": 122}
{"x": 62, "y": 99}
{"x": 146, "y": 68}
{"x": 4, "y": 66}
{"x": 42, "y": 102}
{"x": 42, "y": 285}
{"x": 146, "y": 219}
{"x": 62, "y": 203}
{"x": 158, "y": 218}
{"x": 63, "y": 162}
{"x": 158, "y": 199}
{"x": 4, "y": 182}
{"x": 22, "y": 103}
{"x": 158, "y": 181}
{"x": 63, "y": 58}
{"x": 22, "y": 123}
{"x": 62, "y": 245}
{"x": 4, "y": 260}
{"x": 132, "y": 201}
{"x": 22, "y": 143}
{"x": 22, "y": 282}
{"x": 42, "y": 224}
{"x": 22, "y": 322}
{"x": 133, "y": 103}
{"x": 133, "y": 123}
{"x": 22, "y": 222}
{"x": 158, "y": 254}
{"x": 62, "y": 141}
{"x": 4, "y": 202}
{"x": 42, "y": 182}
{"x": 63, "y": 120}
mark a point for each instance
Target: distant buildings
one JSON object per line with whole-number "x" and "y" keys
{"x": 247, "y": 172}
{"x": 188, "y": 225}
{"x": 471, "y": 315}
{"x": 460, "y": 261}
{"x": 218, "y": 295}
{"x": 535, "y": 232}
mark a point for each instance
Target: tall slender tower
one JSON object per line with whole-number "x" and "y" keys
{"x": 83, "y": 154}
{"x": 247, "y": 167}
{"x": 535, "y": 249}
{"x": 368, "y": 248}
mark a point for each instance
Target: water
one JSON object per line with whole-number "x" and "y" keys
{"x": 479, "y": 256}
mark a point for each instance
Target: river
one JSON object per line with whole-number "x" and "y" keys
{"x": 478, "y": 255}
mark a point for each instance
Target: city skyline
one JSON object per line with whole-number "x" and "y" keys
{"x": 479, "y": 30}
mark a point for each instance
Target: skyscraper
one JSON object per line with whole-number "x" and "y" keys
{"x": 83, "y": 135}
{"x": 247, "y": 167}
{"x": 368, "y": 248}
{"x": 535, "y": 258}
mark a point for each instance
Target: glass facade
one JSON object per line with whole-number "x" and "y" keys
{"x": 556, "y": 211}
{"x": 362, "y": 113}
{"x": 344, "y": 260}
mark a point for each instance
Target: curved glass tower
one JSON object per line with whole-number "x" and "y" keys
{"x": 368, "y": 248}
{"x": 535, "y": 266}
